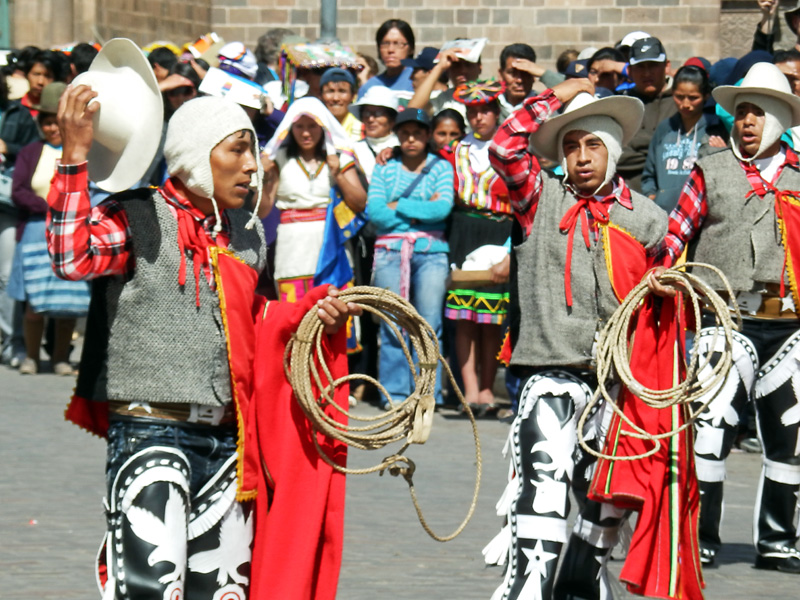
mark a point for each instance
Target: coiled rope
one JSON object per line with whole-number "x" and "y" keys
{"x": 613, "y": 357}
{"x": 408, "y": 421}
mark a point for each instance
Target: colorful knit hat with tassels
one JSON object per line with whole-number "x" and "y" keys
{"x": 479, "y": 92}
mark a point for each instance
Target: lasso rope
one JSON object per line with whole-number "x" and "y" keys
{"x": 613, "y": 357}
{"x": 408, "y": 421}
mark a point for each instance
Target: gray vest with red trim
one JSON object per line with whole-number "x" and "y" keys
{"x": 740, "y": 234}
{"x": 146, "y": 339}
{"x": 550, "y": 332}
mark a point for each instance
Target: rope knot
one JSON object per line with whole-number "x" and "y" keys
{"x": 391, "y": 464}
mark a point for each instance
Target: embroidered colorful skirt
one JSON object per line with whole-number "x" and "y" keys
{"x": 470, "y": 230}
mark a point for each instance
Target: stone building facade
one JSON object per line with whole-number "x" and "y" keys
{"x": 710, "y": 28}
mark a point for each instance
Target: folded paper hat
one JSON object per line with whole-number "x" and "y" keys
{"x": 127, "y": 127}
{"x": 231, "y": 87}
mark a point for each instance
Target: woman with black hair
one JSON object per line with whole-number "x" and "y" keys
{"x": 17, "y": 129}
{"x": 480, "y": 223}
{"x": 447, "y": 129}
{"x": 32, "y": 278}
{"x": 179, "y": 86}
{"x": 309, "y": 157}
{"x": 681, "y": 139}
{"x": 395, "y": 41}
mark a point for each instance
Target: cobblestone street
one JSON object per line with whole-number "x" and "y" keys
{"x": 51, "y": 515}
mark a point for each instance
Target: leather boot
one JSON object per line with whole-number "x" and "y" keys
{"x": 709, "y": 522}
{"x": 776, "y": 535}
{"x": 583, "y": 572}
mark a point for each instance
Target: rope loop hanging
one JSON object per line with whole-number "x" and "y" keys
{"x": 408, "y": 422}
{"x": 614, "y": 347}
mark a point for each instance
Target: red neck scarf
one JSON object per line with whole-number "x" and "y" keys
{"x": 599, "y": 211}
{"x": 192, "y": 236}
{"x": 757, "y": 182}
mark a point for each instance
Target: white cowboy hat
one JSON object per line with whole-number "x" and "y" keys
{"x": 232, "y": 87}
{"x": 127, "y": 127}
{"x": 625, "y": 110}
{"x": 376, "y": 96}
{"x": 765, "y": 79}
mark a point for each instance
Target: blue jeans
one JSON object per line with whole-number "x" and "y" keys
{"x": 206, "y": 447}
{"x": 428, "y": 288}
{"x": 175, "y": 487}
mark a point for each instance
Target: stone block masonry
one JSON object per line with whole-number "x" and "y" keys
{"x": 687, "y": 27}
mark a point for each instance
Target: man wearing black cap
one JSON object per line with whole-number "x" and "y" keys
{"x": 421, "y": 66}
{"x": 338, "y": 88}
{"x": 648, "y": 71}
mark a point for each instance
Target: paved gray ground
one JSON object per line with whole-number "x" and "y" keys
{"x": 51, "y": 516}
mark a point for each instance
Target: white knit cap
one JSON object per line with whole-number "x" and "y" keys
{"x": 195, "y": 129}
{"x": 609, "y": 132}
{"x": 777, "y": 119}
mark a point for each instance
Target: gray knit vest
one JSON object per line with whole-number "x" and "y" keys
{"x": 146, "y": 338}
{"x": 740, "y": 234}
{"x": 551, "y": 333}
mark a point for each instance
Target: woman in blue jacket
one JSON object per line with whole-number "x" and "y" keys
{"x": 409, "y": 200}
{"x": 681, "y": 139}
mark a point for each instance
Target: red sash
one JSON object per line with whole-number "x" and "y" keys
{"x": 299, "y": 523}
{"x": 663, "y": 560}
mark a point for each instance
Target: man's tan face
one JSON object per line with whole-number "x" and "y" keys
{"x": 649, "y": 77}
{"x": 791, "y": 68}
{"x": 587, "y": 160}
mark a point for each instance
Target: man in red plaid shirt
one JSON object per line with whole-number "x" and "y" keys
{"x": 167, "y": 370}
{"x": 567, "y": 233}
{"x": 739, "y": 212}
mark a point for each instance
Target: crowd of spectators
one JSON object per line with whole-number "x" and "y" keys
{"x": 401, "y": 140}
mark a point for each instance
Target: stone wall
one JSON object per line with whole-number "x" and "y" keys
{"x": 145, "y": 21}
{"x": 687, "y": 27}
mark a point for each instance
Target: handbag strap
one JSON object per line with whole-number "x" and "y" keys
{"x": 425, "y": 170}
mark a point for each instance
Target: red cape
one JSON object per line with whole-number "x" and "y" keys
{"x": 663, "y": 560}
{"x": 299, "y": 535}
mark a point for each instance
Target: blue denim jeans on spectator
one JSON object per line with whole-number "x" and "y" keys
{"x": 428, "y": 287}
{"x": 206, "y": 447}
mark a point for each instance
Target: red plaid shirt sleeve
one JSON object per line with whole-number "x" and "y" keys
{"x": 514, "y": 163}
{"x": 85, "y": 242}
{"x": 685, "y": 220}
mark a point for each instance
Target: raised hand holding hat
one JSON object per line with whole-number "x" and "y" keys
{"x": 127, "y": 113}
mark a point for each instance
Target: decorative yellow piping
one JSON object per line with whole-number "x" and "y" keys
{"x": 241, "y": 495}
{"x": 785, "y": 241}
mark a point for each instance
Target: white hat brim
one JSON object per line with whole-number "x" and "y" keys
{"x": 625, "y": 110}
{"x": 115, "y": 169}
{"x": 382, "y": 100}
{"x": 725, "y": 95}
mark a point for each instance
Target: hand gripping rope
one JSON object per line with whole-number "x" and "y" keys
{"x": 613, "y": 357}
{"x": 409, "y": 420}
